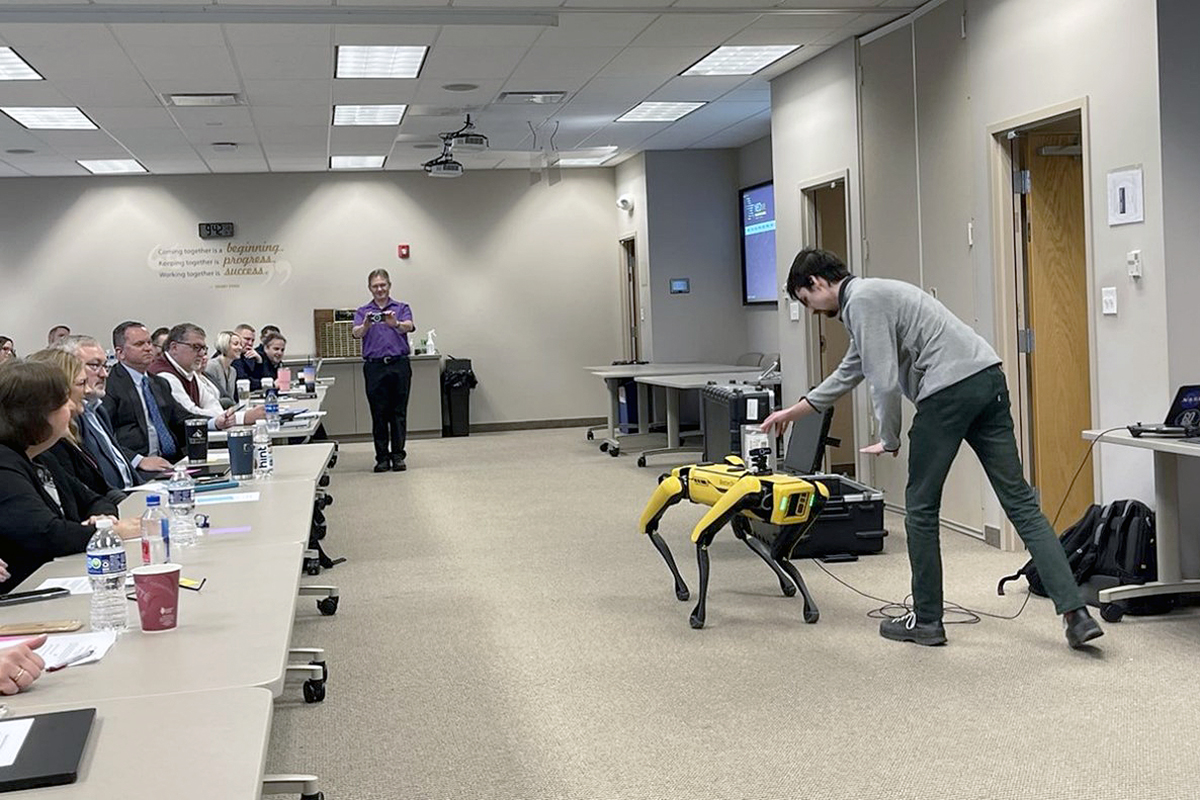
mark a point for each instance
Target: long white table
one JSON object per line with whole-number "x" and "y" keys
{"x": 1168, "y": 541}
{"x": 189, "y": 746}
{"x": 613, "y": 375}
{"x": 289, "y": 430}
{"x": 298, "y": 462}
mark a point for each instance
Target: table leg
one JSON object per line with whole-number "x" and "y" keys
{"x": 673, "y": 417}
{"x": 643, "y": 405}
{"x": 614, "y": 406}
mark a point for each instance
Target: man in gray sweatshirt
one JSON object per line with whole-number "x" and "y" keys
{"x": 907, "y": 344}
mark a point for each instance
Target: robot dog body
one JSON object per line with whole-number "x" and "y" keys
{"x": 735, "y": 495}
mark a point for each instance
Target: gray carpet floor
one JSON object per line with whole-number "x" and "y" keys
{"x": 506, "y": 632}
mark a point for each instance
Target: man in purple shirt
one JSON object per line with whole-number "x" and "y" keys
{"x": 383, "y": 325}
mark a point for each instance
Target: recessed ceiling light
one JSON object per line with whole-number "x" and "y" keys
{"x": 379, "y": 61}
{"x": 739, "y": 60}
{"x": 532, "y": 98}
{"x": 658, "y": 112}
{"x": 204, "y": 100}
{"x": 224, "y": 147}
{"x": 461, "y": 87}
{"x": 426, "y": 146}
{"x": 355, "y": 162}
{"x": 111, "y": 166}
{"x": 20, "y": 151}
{"x": 50, "y": 118}
{"x": 14, "y": 68}
{"x": 368, "y": 115}
{"x": 592, "y": 157}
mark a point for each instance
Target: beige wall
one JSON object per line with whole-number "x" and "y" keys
{"x": 523, "y": 280}
{"x": 762, "y": 322}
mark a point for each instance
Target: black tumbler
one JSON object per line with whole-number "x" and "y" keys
{"x": 197, "y": 440}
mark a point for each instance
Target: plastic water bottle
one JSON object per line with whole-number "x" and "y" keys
{"x": 156, "y": 533}
{"x": 181, "y": 497}
{"x": 106, "y": 570}
{"x": 264, "y": 459}
{"x": 272, "y": 405}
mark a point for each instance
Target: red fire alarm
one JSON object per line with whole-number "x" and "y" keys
{"x": 402, "y": 251}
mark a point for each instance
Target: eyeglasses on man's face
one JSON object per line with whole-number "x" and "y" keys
{"x": 95, "y": 366}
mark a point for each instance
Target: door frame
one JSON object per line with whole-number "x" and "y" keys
{"x": 1008, "y": 276}
{"x": 808, "y": 234}
{"x": 630, "y": 300}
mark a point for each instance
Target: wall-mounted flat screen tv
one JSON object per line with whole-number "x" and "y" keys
{"x": 758, "y": 244}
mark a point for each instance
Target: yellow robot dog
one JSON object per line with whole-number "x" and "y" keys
{"x": 738, "y": 494}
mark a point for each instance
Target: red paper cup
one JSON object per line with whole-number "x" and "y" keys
{"x": 157, "y": 587}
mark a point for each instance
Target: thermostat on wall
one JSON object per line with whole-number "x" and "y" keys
{"x": 216, "y": 230}
{"x": 681, "y": 285}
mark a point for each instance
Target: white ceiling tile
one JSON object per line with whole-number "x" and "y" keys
{"x": 307, "y": 116}
{"x": 451, "y": 63}
{"x": 211, "y": 117}
{"x": 21, "y": 34}
{"x": 181, "y": 164}
{"x": 386, "y": 34}
{"x": 709, "y": 87}
{"x": 618, "y": 91}
{"x": 71, "y": 61}
{"x": 372, "y": 140}
{"x": 546, "y": 83}
{"x": 33, "y": 93}
{"x": 282, "y": 62}
{"x": 157, "y": 34}
{"x": 287, "y": 93}
{"x": 645, "y": 61}
{"x": 262, "y": 2}
{"x": 488, "y": 35}
{"x": 9, "y": 171}
{"x": 85, "y": 92}
{"x": 819, "y": 21}
{"x": 41, "y": 165}
{"x": 383, "y": 91}
{"x": 596, "y": 30}
{"x": 297, "y": 164}
{"x": 296, "y": 35}
{"x": 312, "y": 135}
{"x": 430, "y": 92}
{"x": 756, "y": 35}
{"x": 197, "y": 67}
{"x": 115, "y": 119}
{"x": 539, "y": 4}
{"x": 693, "y": 29}
{"x": 544, "y": 63}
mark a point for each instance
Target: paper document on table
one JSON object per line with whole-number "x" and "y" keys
{"x": 80, "y": 585}
{"x": 217, "y": 457}
{"x": 150, "y": 486}
{"x": 309, "y": 415}
{"x": 62, "y": 648}
{"x": 12, "y": 738}
{"x": 237, "y": 497}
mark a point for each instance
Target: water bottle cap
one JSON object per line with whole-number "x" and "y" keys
{"x": 103, "y": 523}
{"x": 152, "y": 500}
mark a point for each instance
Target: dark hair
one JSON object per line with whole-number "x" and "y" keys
{"x": 5, "y": 340}
{"x": 30, "y": 391}
{"x": 119, "y": 331}
{"x": 813, "y": 263}
{"x": 270, "y": 337}
{"x": 178, "y": 332}
{"x": 267, "y": 329}
{"x": 379, "y": 273}
{"x": 159, "y": 332}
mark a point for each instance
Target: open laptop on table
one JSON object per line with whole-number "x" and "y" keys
{"x": 1183, "y": 418}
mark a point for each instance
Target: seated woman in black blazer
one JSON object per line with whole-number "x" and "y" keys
{"x": 35, "y": 410}
{"x": 66, "y": 451}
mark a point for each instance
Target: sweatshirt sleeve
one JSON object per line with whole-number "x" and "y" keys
{"x": 875, "y": 334}
{"x": 847, "y": 375}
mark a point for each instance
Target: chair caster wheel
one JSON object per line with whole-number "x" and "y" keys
{"x": 604, "y": 447}
{"x": 312, "y": 566}
{"x": 641, "y": 462}
{"x": 1112, "y": 612}
{"x": 314, "y": 691}
{"x": 590, "y": 436}
{"x": 811, "y": 616}
{"x": 614, "y": 451}
{"x": 324, "y": 674}
{"x": 328, "y": 606}
{"x": 317, "y": 796}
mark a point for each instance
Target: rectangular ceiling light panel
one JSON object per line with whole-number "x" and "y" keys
{"x": 355, "y": 162}
{"x": 14, "y": 68}
{"x": 739, "y": 60}
{"x": 50, "y": 118}
{"x": 368, "y": 115}
{"x": 658, "y": 112}
{"x": 111, "y": 166}
{"x": 379, "y": 61}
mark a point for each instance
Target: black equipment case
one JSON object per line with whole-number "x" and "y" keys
{"x": 724, "y": 410}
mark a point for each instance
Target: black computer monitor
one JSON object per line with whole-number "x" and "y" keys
{"x": 806, "y": 446}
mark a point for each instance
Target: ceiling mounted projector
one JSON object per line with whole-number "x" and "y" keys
{"x": 443, "y": 168}
{"x": 466, "y": 139}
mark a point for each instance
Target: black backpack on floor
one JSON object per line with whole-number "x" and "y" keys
{"x": 1107, "y": 547}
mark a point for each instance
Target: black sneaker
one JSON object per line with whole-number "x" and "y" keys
{"x": 381, "y": 466}
{"x": 398, "y": 465}
{"x": 1080, "y": 627}
{"x": 907, "y": 629}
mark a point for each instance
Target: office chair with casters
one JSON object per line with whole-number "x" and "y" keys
{"x": 749, "y": 359}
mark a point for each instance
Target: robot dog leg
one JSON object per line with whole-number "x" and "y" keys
{"x": 745, "y": 493}
{"x": 743, "y": 531}
{"x": 669, "y": 492}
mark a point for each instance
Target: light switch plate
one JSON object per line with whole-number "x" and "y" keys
{"x": 1108, "y": 301}
{"x": 1133, "y": 263}
{"x": 794, "y": 310}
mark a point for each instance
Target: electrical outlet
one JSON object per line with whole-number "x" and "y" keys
{"x": 1108, "y": 301}
{"x": 1133, "y": 263}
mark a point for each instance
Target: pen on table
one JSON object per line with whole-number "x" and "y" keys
{"x": 72, "y": 660}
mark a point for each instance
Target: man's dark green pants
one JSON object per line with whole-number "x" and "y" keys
{"x": 975, "y": 410}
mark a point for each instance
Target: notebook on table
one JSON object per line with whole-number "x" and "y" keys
{"x": 43, "y": 749}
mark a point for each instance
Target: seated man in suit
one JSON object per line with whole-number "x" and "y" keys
{"x": 146, "y": 419}
{"x": 95, "y": 428}
{"x": 254, "y": 364}
{"x": 180, "y": 366}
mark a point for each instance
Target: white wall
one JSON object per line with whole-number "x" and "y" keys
{"x": 762, "y": 322}
{"x": 521, "y": 279}
{"x": 631, "y": 180}
{"x": 693, "y": 233}
{"x": 814, "y": 133}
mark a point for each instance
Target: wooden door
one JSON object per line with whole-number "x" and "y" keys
{"x": 1057, "y": 311}
{"x": 830, "y": 203}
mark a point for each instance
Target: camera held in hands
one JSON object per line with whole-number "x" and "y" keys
{"x": 375, "y": 317}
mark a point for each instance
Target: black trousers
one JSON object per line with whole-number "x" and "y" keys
{"x": 387, "y": 394}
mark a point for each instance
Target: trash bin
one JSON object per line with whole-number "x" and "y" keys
{"x": 458, "y": 379}
{"x": 627, "y": 410}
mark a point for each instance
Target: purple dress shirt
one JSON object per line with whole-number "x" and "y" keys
{"x": 380, "y": 340}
